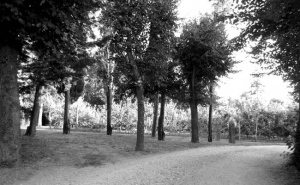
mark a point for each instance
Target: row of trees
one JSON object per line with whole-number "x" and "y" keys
{"x": 254, "y": 117}
{"x": 45, "y": 47}
{"x": 138, "y": 55}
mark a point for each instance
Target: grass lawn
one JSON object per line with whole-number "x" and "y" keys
{"x": 51, "y": 148}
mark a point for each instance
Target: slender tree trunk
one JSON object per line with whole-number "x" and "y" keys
{"x": 140, "y": 97}
{"x": 9, "y": 108}
{"x": 155, "y": 113}
{"x": 194, "y": 110}
{"x": 210, "y": 124}
{"x": 31, "y": 130}
{"x": 231, "y": 132}
{"x": 194, "y": 122}
{"x": 66, "y": 128}
{"x": 210, "y": 116}
{"x": 140, "y": 124}
{"x": 108, "y": 111}
{"x": 239, "y": 130}
{"x": 161, "y": 116}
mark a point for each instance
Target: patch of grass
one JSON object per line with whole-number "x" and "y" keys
{"x": 51, "y": 149}
{"x": 93, "y": 160}
{"x": 34, "y": 150}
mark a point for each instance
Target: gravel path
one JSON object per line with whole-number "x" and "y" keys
{"x": 244, "y": 165}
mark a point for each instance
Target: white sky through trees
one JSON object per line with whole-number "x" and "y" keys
{"x": 235, "y": 84}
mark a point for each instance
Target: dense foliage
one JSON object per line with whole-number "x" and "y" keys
{"x": 138, "y": 57}
{"x": 203, "y": 52}
{"x": 274, "y": 25}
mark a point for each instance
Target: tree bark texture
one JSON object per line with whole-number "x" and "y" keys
{"x": 140, "y": 101}
{"x": 194, "y": 110}
{"x": 31, "y": 130}
{"x": 9, "y": 108}
{"x": 161, "y": 134}
{"x": 210, "y": 116}
{"x": 108, "y": 111}
{"x": 140, "y": 124}
{"x": 194, "y": 122}
{"x": 66, "y": 127}
{"x": 155, "y": 113}
{"x": 210, "y": 124}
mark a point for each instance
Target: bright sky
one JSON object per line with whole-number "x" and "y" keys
{"x": 235, "y": 84}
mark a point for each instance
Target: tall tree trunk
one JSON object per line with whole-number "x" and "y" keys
{"x": 155, "y": 113}
{"x": 194, "y": 110}
{"x": 31, "y": 130}
{"x": 140, "y": 97}
{"x": 140, "y": 125}
{"x": 210, "y": 124}
{"x": 108, "y": 111}
{"x": 66, "y": 128}
{"x": 194, "y": 122}
{"x": 239, "y": 129}
{"x": 161, "y": 116}
{"x": 9, "y": 108}
{"x": 210, "y": 116}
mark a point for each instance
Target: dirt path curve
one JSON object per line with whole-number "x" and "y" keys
{"x": 244, "y": 165}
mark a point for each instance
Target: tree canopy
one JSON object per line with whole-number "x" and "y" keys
{"x": 140, "y": 39}
{"x": 203, "y": 52}
{"x": 274, "y": 25}
{"x": 51, "y": 29}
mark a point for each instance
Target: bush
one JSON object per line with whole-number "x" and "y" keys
{"x": 294, "y": 155}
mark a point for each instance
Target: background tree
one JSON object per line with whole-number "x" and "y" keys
{"x": 155, "y": 113}
{"x": 203, "y": 52}
{"x": 211, "y": 89}
{"x": 105, "y": 67}
{"x": 131, "y": 23}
